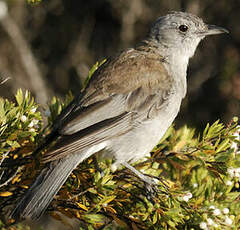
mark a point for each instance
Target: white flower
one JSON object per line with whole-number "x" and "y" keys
{"x": 203, "y": 225}
{"x": 35, "y": 121}
{"x": 236, "y": 174}
{"x": 185, "y": 198}
{"x": 215, "y": 225}
{"x": 234, "y": 146}
{"x": 231, "y": 172}
{"x": 32, "y": 130}
{"x": 23, "y": 118}
{"x": 225, "y": 210}
{"x": 216, "y": 212}
{"x": 189, "y": 195}
{"x": 33, "y": 110}
{"x": 195, "y": 185}
{"x": 229, "y": 183}
{"x": 210, "y": 221}
{"x": 31, "y": 124}
{"x": 211, "y": 207}
{"x": 228, "y": 221}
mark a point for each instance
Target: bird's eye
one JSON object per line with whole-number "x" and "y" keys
{"x": 183, "y": 28}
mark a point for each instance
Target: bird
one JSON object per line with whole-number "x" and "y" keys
{"x": 127, "y": 106}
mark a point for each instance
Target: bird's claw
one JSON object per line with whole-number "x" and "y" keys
{"x": 151, "y": 188}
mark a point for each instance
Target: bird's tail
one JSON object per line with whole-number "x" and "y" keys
{"x": 47, "y": 184}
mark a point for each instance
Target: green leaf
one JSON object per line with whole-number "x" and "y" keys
{"x": 206, "y": 130}
{"x": 223, "y": 157}
{"x": 155, "y": 218}
{"x": 94, "y": 218}
{"x": 92, "y": 70}
{"x": 19, "y": 97}
{"x": 107, "y": 200}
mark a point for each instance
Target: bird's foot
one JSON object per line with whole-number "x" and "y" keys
{"x": 150, "y": 184}
{"x": 150, "y": 187}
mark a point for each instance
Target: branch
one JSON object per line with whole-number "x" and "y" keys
{"x": 9, "y": 179}
{"x": 28, "y": 61}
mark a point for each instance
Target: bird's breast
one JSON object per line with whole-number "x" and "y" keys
{"x": 139, "y": 141}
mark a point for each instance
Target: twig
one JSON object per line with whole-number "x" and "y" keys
{"x": 28, "y": 61}
{"x": 81, "y": 193}
{"x": 4, "y": 80}
{"x": 3, "y": 158}
{"x": 9, "y": 179}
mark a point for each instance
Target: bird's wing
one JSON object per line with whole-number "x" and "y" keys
{"x": 118, "y": 94}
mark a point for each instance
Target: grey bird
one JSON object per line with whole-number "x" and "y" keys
{"x": 127, "y": 106}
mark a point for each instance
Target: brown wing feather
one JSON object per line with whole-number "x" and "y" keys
{"x": 91, "y": 136}
{"x": 122, "y": 91}
{"x": 126, "y": 73}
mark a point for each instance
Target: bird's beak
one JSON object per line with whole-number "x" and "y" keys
{"x": 212, "y": 29}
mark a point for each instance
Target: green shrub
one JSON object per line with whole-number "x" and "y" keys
{"x": 198, "y": 176}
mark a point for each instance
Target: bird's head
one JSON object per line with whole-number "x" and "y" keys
{"x": 182, "y": 31}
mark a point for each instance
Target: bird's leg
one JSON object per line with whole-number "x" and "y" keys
{"x": 150, "y": 184}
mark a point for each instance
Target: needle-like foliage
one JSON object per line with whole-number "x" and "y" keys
{"x": 198, "y": 176}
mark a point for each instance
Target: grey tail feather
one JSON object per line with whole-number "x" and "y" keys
{"x": 47, "y": 184}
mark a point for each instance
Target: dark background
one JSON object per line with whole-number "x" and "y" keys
{"x": 49, "y": 47}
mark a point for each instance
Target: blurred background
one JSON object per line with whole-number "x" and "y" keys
{"x": 49, "y": 48}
